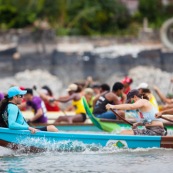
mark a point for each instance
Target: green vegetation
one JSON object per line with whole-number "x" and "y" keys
{"x": 82, "y": 17}
{"x": 155, "y": 12}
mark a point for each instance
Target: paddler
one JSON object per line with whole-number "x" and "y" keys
{"x": 108, "y": 97}
{"x": 147, "y": 113}
{"x": 12, "y": 117}
{"x": 76, "y": 98}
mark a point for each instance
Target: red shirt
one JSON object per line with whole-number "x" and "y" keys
{"x": 50, "y": 107}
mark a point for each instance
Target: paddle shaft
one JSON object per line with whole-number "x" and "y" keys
{"x": 167, "y": 119}
{"x": 121, "y": 117}
{"x": 64, "y": 112}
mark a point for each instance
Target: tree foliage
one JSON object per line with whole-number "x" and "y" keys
{"x": 79, "y": 17}
{"x": 70, "y": 16}
{"x": 155, "y": 11}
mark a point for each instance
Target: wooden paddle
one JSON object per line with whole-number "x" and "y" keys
{"x": 121, "y": 117}
{"x": 64, "y": 112}
{"x": 167, "y": 119}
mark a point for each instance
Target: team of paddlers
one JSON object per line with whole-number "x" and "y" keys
{"x": 101, "y": 99}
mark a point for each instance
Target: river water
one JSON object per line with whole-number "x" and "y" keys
{"x": 87, "y": 160}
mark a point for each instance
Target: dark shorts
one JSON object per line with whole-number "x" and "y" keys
{"x": 151, "y": 131}
{"x": 42, "y": 128}
{"x": 83, "y": 116}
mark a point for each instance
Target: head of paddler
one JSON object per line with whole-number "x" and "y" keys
{"x": 15, "y": 95}
{"x": 29, "y": 95}
{"x": 118, "y": 89}
{"x": 143, "y": 88}
{"x": 104, "y": 87}
{"x": 73, "y": 88}
{"x": 88, "y": 93}
{"x": 96, "y": 88}
{"x": 133, "y": 96}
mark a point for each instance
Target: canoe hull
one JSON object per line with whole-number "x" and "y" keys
{"x": 92, "y": 128}
{"x": 70, "y": 127}
{"x": 56, "y": 141}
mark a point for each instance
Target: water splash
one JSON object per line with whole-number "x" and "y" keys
{"x": 72, "y": 146}
{"x": 6, "y": 152}
{"x": 44, "y": 144}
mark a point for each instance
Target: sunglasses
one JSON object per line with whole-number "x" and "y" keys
{"x": 20, "y": 96}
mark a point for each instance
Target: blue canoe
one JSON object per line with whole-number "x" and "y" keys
{"x": 15, "y": 139}
{"x": 85, "y": 127}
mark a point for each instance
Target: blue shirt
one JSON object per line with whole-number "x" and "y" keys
{"x": 15, "y": 118}
{"x": 148, "y": 117}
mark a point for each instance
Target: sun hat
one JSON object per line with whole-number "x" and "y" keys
{"x": 131, "y": 94}
{"x": 142, "y": 86}
{"x": 72, "y": 87}
{"x": 14, "y": 91}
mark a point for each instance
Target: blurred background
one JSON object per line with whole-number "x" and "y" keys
{"x": 44, "y": 42}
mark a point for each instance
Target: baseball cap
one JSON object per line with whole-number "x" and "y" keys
{"x": 131, "y": 94}
{"x": 72, "y": 87}
{"x": 14, "y": 91}
{"x": 142, "y": 85}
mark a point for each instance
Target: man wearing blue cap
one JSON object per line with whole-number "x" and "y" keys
{"x": 13, "y": 118}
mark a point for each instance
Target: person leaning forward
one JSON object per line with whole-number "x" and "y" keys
{"x": 111, "y": 97}
{"x": 15, "y": 119}
{"x": 147, "y": 112}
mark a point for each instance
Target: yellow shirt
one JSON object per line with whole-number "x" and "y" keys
{"x": 153, "y": 101}
{"x": 79, "y": 108}
{"x": 90, "y": 104}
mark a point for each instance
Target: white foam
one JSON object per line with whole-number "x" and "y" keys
{"x": 5, "y": 152}
{"x": 75, "y": 146}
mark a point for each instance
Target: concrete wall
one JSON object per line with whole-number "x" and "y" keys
{"x": 74, "y": 67}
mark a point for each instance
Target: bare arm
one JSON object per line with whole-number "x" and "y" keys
{"x": 44, "y": 96}
{"x": 162, "y": 97}
{"x": 168, "y": 111}
{"x": 95, "y": 99}
{"x": 134, "y": 106}
{"x": 88, "y": 81}
{"x": 67, "y": 98}
{"x": 38, "y": 114}
{"x": 116, "y": 100}
{"x": 169, "y": 106}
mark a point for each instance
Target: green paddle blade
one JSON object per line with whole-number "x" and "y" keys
{"x": 94, "y": 120}
{"x": 106, "y": 126}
